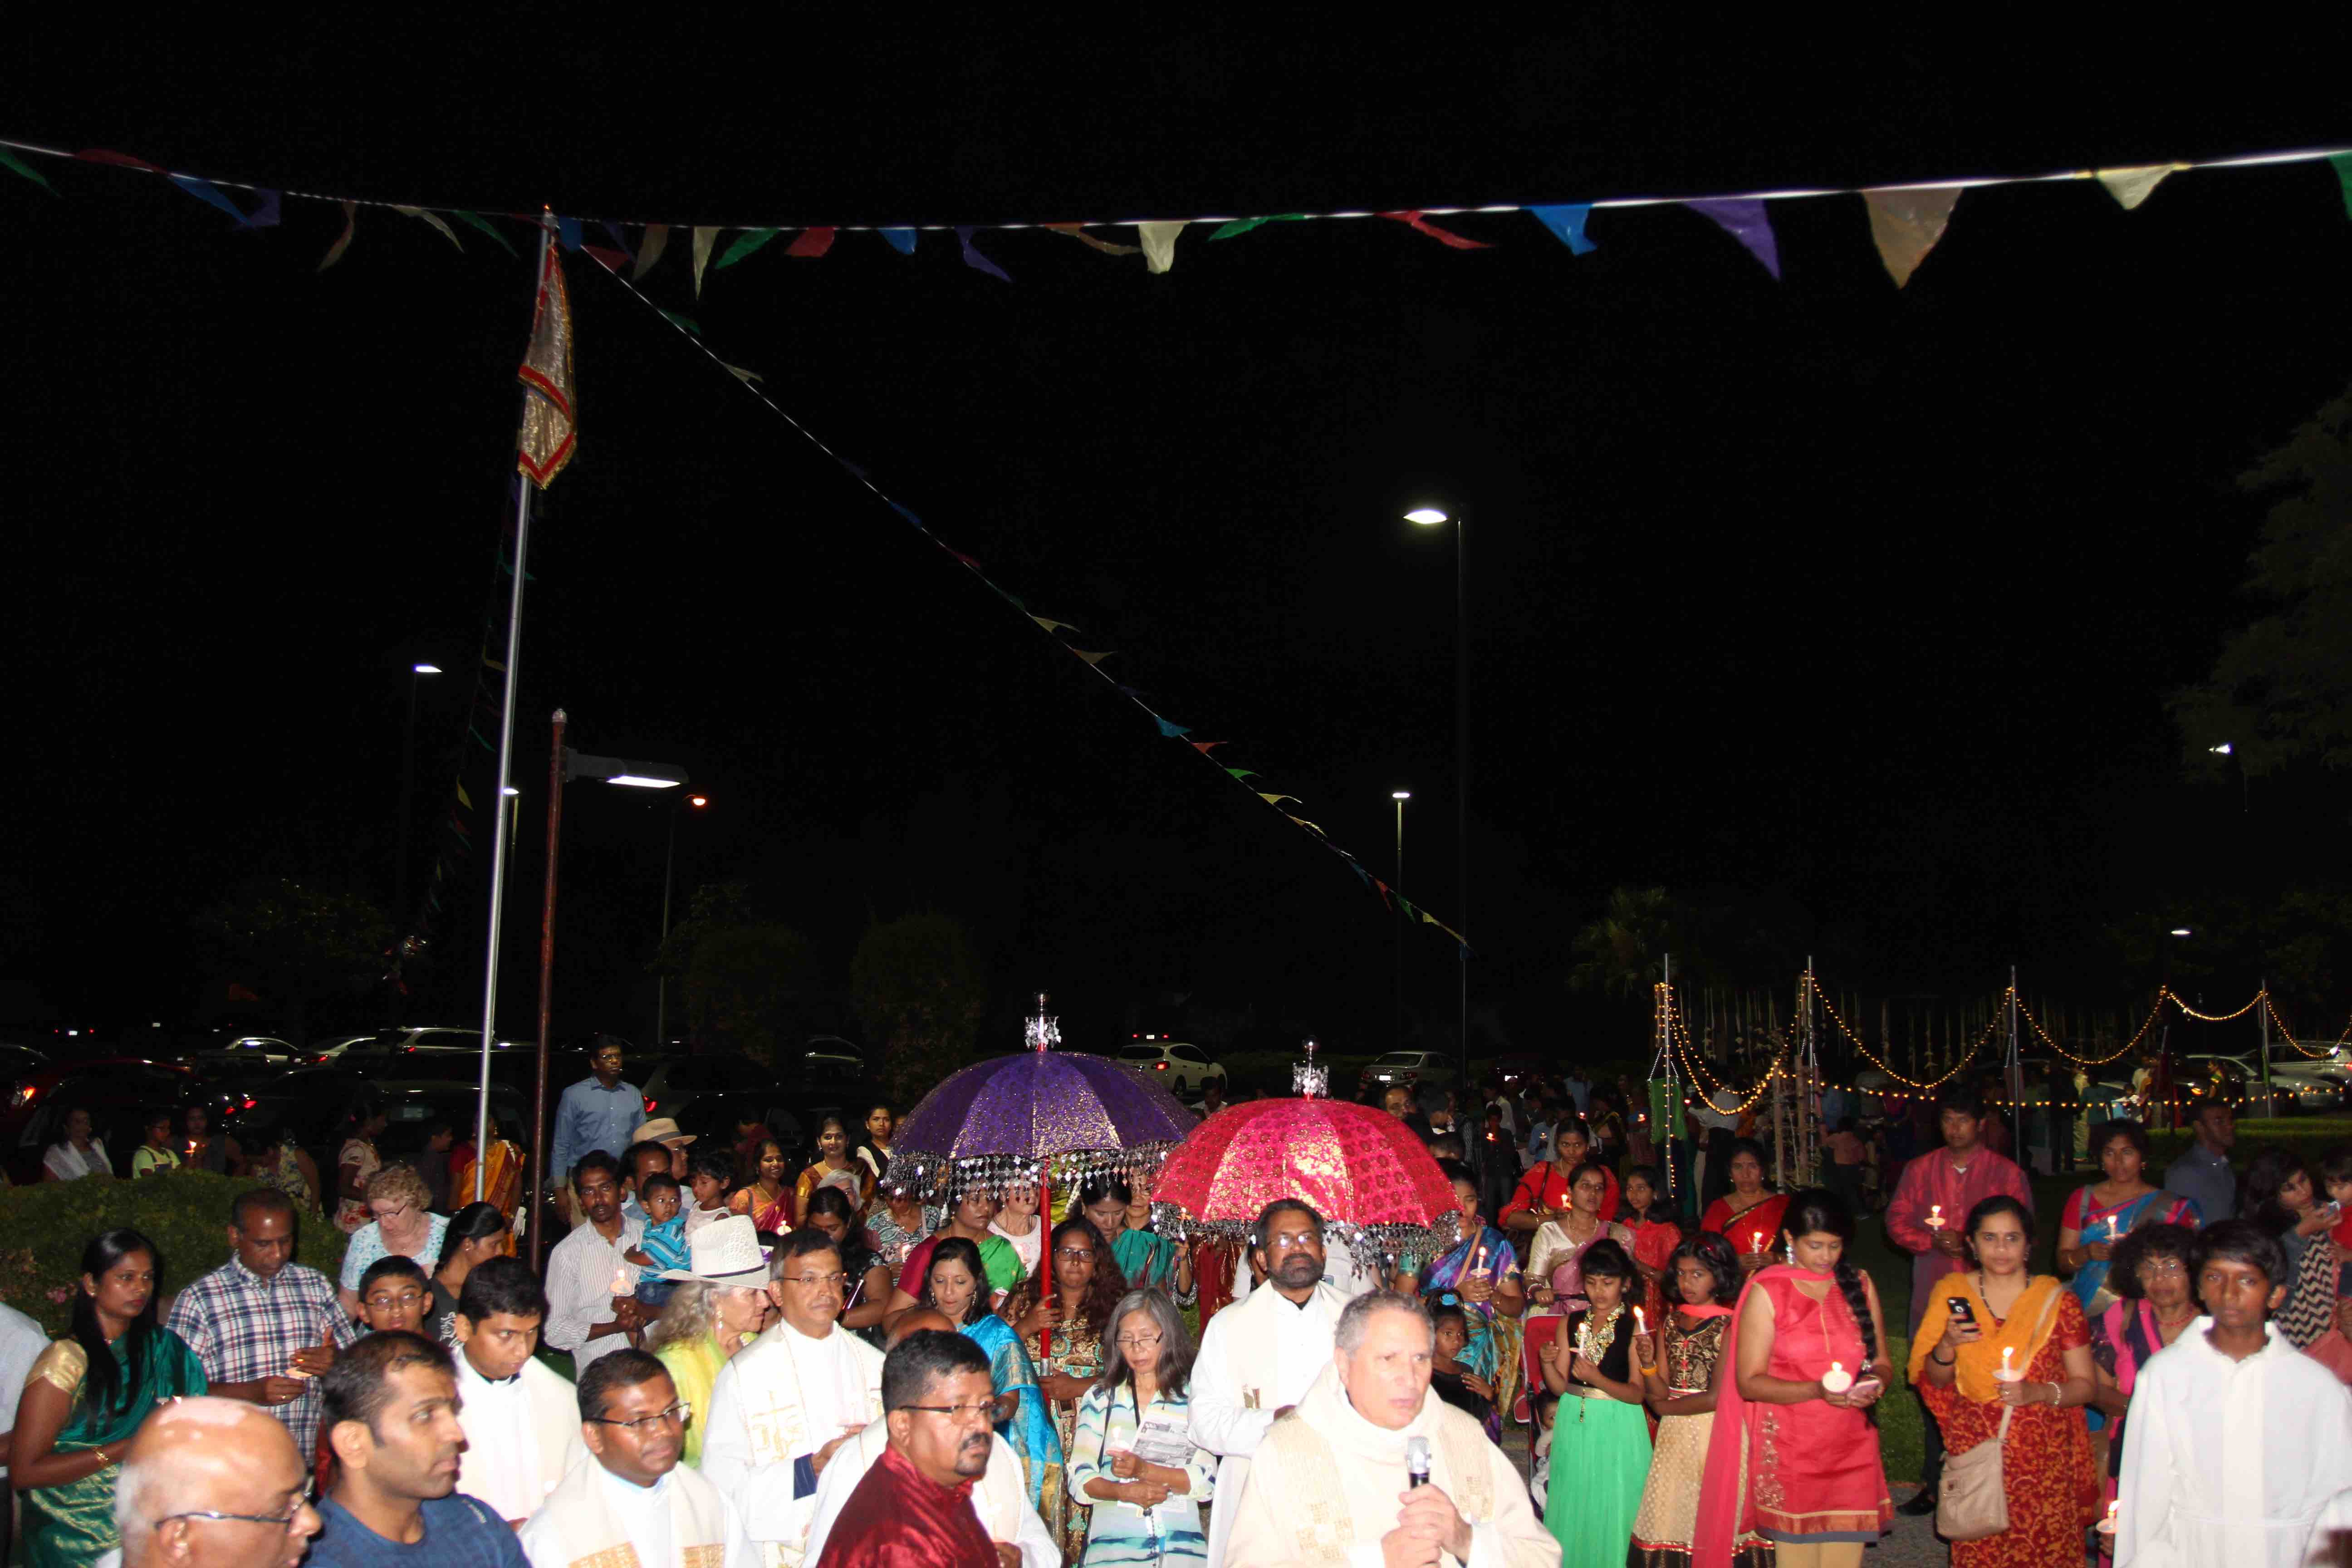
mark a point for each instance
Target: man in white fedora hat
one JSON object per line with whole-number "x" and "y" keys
{"x": 787, "y": 1403}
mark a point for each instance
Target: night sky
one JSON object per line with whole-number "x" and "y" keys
{"x": 1850, "y": 610}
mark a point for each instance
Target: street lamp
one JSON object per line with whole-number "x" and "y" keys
{"x": 1433, "y": 517}
{"x": 669, "y": 860}
{"x": 1396, "y": 966}
{"x": 417, "y": 672}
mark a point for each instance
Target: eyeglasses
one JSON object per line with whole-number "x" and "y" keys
{"x": 1075, "y": 1253}
{"x": 810, "y": 1281}
{"x": 2161, "y": 1267}
{"x": 982, "y": 1414}
{"x": 285, "y": 1521}
{"x": 1140, "y": 1343}
{"x": 678, "y": 1413}
{"x": 1294, "y": 1242}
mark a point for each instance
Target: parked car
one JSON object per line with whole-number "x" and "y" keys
{"x": 117, "y": 1091}
{"x": 246, "y": 1056}
{"x": 312, "y": 1102}
{"x": 1411, "y": 1068}
{"x": 2299, "y": 1081}
{"x": 1187, "y": 1066}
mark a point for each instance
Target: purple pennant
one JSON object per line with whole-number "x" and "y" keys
{"x": 1038, "y": 1104}
{"x": 972, "y": 258}
{"x": 1744, "y": 219}
{"x": 266, "y": 215}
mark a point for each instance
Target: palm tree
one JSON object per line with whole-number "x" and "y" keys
{"x": 1619, "y": 953}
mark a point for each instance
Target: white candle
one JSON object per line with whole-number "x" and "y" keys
{"x": 1756, "y": 1242}
{"x": 1641, "y": 1323}
{"x": 2107, "y": 1525}
{"x": 620, "y": 1281}
{"x": 1837, "y": 1380}
{"x": 1934, "y": 1216}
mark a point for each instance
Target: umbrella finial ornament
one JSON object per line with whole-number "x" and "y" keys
{"x": 1043, "y": 1031}
{"x": 1307, "y": 1081}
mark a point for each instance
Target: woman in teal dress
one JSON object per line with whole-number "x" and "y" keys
{"x": 84, "y": 1399}
{"x": 1133, "y": 1470}
{"x": 956, "y": 1284}
{"x": 1144, "y": 1257}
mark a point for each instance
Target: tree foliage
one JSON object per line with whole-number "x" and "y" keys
{"x": 919, "y": 992}
{"x": 297, "y": 944}
{"x": 1619, "y": 954}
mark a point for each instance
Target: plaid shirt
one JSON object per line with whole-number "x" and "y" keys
{"x": 243, "y": 1327}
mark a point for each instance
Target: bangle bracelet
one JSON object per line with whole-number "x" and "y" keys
{"x": 1942, "y": 1361}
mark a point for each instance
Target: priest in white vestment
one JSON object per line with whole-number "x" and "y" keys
{"x": 520, "y": 1418}
{"x": 628, "y": 1504}
{"x": 789, "y": 1401}
{"x": 1258, "y": 1356}
{"x": 2236, "y": 1440}
{"x": 1331, "y": 1483}
{"x": 1000, "y": 1498}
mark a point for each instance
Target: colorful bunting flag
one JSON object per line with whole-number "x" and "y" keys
{"x": 9, "y": 160}
{"x": 902, "y": 240}
{"x": 1746, "y": 222}
{"x": 1159, "y": 245}
{"x": 2342, "y": 164}
{"x": 1420, "y": 224}
{"x": 650, "y": 248}
{"x": 1242, "y": 772}
{"x": 746, "y": 376}
{"x": 1906, "y": 224}
{"x": 1276, "y": 797}
{"x": 1173, "y": 731}
{"x": 1567, "y": 221}
{"x": 812, "y": 243}
{"x": 476, "y": 220}
{"x": 206, "y": 191}
{"x": 342, "y": 240}
{"x": 436, "y": 219}
{"x": 1052, "y": 626}
{"x": 1091, "y": 657}
{"x": 2131, "y": 186}
{"x": 613, "y": 261}
{"x": 685, "y": 324}
{"x": 1205, "y": 747}
{"x": 122, "y": 160}
{"x": 972, "y": 258}
{"x": 266, "y": 215}
{"x": 702, "y": 242}
{"x": 1242, "y": 226}
{"x": 750, "y": 240}
{"x": 567, "y": 232}
{"x": 1078, "y": 231}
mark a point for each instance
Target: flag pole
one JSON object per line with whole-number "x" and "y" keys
{"x": 505, "y": 761}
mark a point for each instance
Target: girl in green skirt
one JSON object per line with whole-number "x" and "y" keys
{"x": 1599, "y": 1438}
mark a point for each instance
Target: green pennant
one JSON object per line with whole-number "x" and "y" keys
{"x": 1244, "y": 225}
{"x": 478, "y": 221}
{"x": 10, "y": 161}
{"x": 685, "y": 324}
{"x": 751, "y": 240}
{"x": 2340, "y": 161}
{"x": 1242, "y": 772}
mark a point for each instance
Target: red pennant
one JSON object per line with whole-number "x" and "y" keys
{"x": 812, "y": 242}
{"x": 1202, "y": 746}
{"x": 122, "y": 160}
{"x": 614, "y": 260}
{"x": 1420, "y": 224}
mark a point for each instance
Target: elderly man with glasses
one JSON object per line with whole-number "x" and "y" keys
{"x": 635, "y": 1503}
{"x": 213, "y": 1483}
{"x": 786, "y": 1402}
{"x": 914, "y": 1508}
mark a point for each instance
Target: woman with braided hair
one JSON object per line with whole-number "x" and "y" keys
{"x": 1792, "y": 1466}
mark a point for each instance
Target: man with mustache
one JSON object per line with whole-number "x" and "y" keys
{"x": 391, "y": 1417}
{"x": 1258, "y": 1356}
{"x": 913, "y": 1508}
{"x": 1000, "y": 1498}
{"x": 788, "y": 1401}
{"x": 634, "y": 1503}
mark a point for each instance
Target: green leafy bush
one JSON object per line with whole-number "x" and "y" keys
{"x": 43, "y": 1229}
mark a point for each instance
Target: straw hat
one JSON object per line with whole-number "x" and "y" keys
{"x": 660, "y": 1129}
{"x": 724, "y": 1252}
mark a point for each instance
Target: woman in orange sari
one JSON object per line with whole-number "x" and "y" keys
{"x": 1792, "y": 1464}
{"x": 765, "y": 1198}
{"x": 2013, "y": 1366}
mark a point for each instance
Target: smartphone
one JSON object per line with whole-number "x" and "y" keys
{"x": 1961, "y": 1312}
{"x": 1868, "y": 1385}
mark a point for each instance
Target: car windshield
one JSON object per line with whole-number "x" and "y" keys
{"x": 1140, "y": 1053}
{"x": 1400, "y": 1060}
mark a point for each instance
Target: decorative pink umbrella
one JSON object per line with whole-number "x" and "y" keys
{"x": 1364, "y": 1171}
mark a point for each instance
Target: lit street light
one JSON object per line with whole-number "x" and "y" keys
{"x": 1432, "y": 517}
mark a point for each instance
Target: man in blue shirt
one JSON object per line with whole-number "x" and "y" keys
{"x": 392, "y": 1419}
{"x": 597, "y": 1112}
{"x": 2202, "y": 1175}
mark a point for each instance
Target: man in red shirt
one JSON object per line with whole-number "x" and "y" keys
{"x": 913, "y": 1509}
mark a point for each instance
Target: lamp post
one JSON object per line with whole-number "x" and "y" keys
{"x": 1396, "y": 965}
{"x": 417, "y": 672}
{"x": 1434, "y": 517}
{"x": 669, "y": 862}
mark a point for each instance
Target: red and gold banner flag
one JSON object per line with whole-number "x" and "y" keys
{"x": 548, "y": 418}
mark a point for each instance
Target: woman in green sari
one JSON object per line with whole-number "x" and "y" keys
{"x": 84, "y": 1399}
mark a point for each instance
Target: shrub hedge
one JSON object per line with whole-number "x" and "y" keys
{"x": 44, "y": 1228}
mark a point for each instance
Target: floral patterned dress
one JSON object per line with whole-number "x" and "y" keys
{"x": 2045, "y": 1465}
{"x": 1071, "y": 1348}
{"x": 1669, "y": 1516}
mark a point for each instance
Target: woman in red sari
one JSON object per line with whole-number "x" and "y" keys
{"x": 2021, "y": 1359}
{"x": 1792, "y": 1465}
{"x": 1749, "y": 1215}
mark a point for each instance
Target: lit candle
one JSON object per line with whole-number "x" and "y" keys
{"x": 1641, "y": 1323}
{"x": 1479, "y": 1264}
{"x": 2007, "y": 1376}
{"x": 1837, "y": 1380}
{"x": 1756, "y": 1242}
{"x": 1934, "y": 1216}
{"x": 620, "y": 1281}
{"x": 2107, "y": 1525}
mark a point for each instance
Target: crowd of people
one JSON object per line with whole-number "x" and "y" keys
{"x": 778, "y": 1359}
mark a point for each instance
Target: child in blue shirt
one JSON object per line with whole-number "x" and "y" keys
{"x": 663, "y": 1246}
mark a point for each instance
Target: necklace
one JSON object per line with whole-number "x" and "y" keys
{"x": 2188, "y": 1317}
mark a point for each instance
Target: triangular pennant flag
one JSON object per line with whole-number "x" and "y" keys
{"x": 266, "y": 215}
{"x": 1159, "y": 245}
{"x": 1090, "y": 656}
{"x": 1744, "y": 220}
{"x": 685, "y": 324}
{"x": 902, "y": 240}
{"x": 1173, "y": 731}
{"x": 1906, "y": 226}
{"x": 1277, "y": 799}
{"x": 1054, "y": 625}
{"x": 620, "y": 240}
{"x": 972, "y": 258}
{"x": 746, "y": 376}
{"x": 1405, "y": 905}
{"x": 464, "y": 799}
{"x": 2342, "y": 164}
{"x": 1566, "y": 220}
{"x": 10, "y": 162}
{"x": 613, "y": 262}
{"x": 702, "y": 240}
{"x": 813, "y": 242}
{"x": 1242, "y": 226}
{"x": 1377, "y": 886}
{"x": 476, "y": 220}
{"x": 206, "y": 191}
{"x": 1420, "y": 224}
{"x": 1242, "y": 772}
{"x": 567, "y": 232}
{"x": 342, "y": 240}
{"x": 750, "y": 240}
{"x": 121, "y": 160}
{"x": 649, "y": 249}
{"x": 1319, "y": 834}
{"x": 1205, "y": 747}
{"x": 1361, "y": 874}
{"x": 1428, "y": 920}
{"x": 1079, "y": 232}
{"x": 436, "y": 219}
{"x": 2131, "y": 186}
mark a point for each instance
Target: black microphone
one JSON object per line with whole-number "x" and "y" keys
{"x": 1416, "y": 1462}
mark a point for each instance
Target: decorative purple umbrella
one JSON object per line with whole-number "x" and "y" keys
{"x": 1066, "y": 1117}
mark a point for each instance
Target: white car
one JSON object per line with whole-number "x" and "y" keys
{"x": 2301, "y": 1081}
{"x": 1187, "y": 1067}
